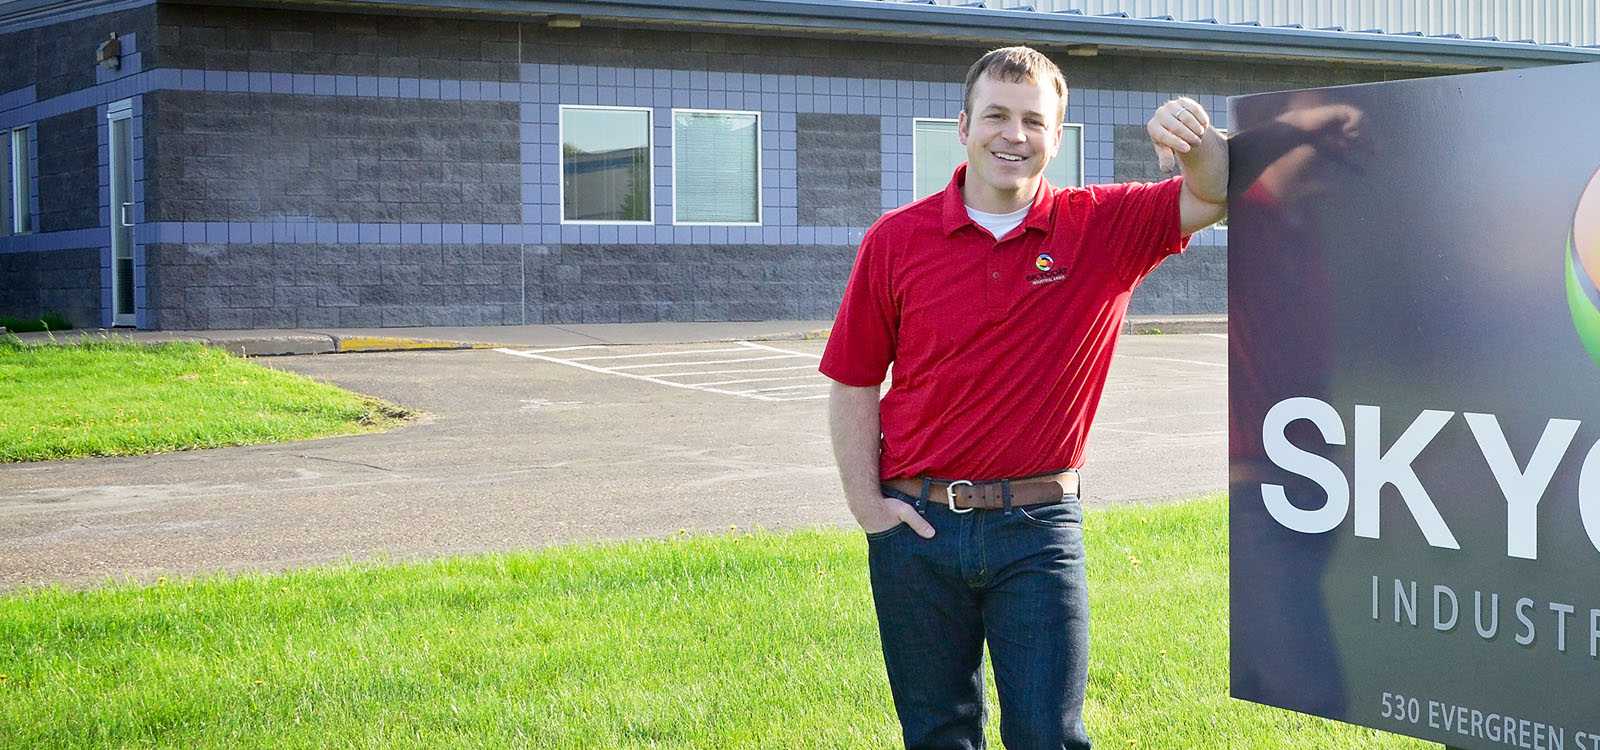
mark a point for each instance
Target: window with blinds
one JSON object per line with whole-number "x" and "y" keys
{"x": 606, "y": 165}
{"x": 716, "y": 167}
{"x": 936, "y": 152}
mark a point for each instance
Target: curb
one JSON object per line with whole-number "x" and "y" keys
{"x": 1160, "y": 326}
{"x": 273, "y": 346}
{"x": 396, "y": 344}
{"x": 816, "y": 334}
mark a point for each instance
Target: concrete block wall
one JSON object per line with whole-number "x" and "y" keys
{"x": 343, "y": 163}
{"x": 310, "y": 285}
{"x": 58, "y": 58}
{"x": 835, "y": 187}
{"x": 220, "y": 156}
{"x": 69, "y": 171}
{"x": 66, "y": 282}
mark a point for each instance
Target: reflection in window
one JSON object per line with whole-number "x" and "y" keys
{"x": 936, "y": 151}
{"x": 605, "y": 164}
{"x": 716, "y": 167}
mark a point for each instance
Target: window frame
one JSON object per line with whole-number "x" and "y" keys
{"x": 561, "y": 164}
{"x": 21, "y": 197}
{"x": 760, "y": 164}
{"x": 1078, "y": 127}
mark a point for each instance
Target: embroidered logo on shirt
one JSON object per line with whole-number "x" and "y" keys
{"x": 1047, "y": 274}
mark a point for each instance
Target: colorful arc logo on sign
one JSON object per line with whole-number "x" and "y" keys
{"x": 1583, "y": 269}
{"x": 1044, "y": 262}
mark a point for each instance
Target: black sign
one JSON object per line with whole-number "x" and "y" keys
{"x": 1414, "y": 390}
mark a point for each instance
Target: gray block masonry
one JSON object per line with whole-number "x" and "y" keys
{"x": 288, "y": 286}
{"x": 60, "y": 281}
{"x": 304, "y": 169}
{"x": 247, "y": 157}
{"x": 835, "y": 155}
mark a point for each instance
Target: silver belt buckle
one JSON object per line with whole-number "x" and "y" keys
{"x": 950, "y": 495}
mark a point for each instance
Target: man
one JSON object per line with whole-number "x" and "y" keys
{"x": 998, "y": 303}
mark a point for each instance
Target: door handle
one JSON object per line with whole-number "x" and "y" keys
{"x": 127, "y": 216}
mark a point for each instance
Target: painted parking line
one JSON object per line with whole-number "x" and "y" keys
{"x": 655, "y": 354}
{"x": 707, "y": 362}
{"x": 725, "y": 371}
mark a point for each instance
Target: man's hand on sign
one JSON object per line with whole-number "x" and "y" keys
{"x": 1181, "y": 131}
{"x": 892, "y": 513}
{"x": 1177, "y": 126}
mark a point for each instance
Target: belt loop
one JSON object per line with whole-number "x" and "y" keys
{"x": 1005, "y": 494}
{"x": 922, "y": 497}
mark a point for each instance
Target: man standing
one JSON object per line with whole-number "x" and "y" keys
{"x": 998, "y": 302}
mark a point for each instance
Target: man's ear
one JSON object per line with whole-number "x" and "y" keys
{"x": 961, "y": 127}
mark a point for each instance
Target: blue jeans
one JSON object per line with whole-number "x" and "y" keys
{"x": 1013, "y": 578}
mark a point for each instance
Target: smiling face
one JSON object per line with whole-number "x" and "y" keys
{"x": 1011, "y": 130}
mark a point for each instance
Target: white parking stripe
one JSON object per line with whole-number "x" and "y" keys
{"x": 684, "y": 358}
{"x": 656, "y": 354}
{"x": 754, "y": 345}
{"x": 706, "y": 362}
{"x": 812, "y": 368}
{"x": 757, "y": 380}
{"x": 647, "y": 379}
{"x": 568, "y": 348}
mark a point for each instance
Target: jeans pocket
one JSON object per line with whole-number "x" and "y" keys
{"x": 886, "y": 533}
{"x": 1062, "y": 515}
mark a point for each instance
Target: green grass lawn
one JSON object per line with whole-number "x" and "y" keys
{"x": 116, "y": 399}
{"x": 734, "y": 641}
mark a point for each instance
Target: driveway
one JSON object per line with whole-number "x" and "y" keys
{"x": 525, "y": 448}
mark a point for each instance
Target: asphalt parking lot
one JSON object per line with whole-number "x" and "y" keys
{"x": 525, "y": 448}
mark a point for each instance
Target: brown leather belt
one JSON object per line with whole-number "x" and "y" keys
{"x": 989, "y": 494}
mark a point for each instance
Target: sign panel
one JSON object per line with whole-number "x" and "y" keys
{"x": 1414, "y": 385}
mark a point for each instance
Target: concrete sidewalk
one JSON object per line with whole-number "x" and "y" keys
{"x": 277, "y": 342}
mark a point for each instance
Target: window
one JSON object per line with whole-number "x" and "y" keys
{"x": 716, "y": 167}
{"x": 606, "y": 166}
{"x": 21, "y": 182}
{"x": 936, "y": 151}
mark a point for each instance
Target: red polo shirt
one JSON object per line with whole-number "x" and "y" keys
{"x": 1000, "y": 349}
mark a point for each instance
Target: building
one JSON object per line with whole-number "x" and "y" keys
{"x": 469, "y": 162}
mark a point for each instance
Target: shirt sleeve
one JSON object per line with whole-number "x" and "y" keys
{"x": 1142, "y": 222}
{"x": 862, "y": 342}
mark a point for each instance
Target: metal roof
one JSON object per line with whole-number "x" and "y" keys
{"x": 1544, "y": 21}
{"x": 925, "y": 21}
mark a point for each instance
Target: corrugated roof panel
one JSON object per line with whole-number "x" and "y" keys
{"x": 1575, "y": 22}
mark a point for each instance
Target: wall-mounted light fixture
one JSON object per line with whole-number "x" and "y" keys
{"x": 564, "y": 22}
{"x": 109, "y": 54}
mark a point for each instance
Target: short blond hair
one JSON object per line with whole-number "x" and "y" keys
{"x": 1017, "y": 65}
